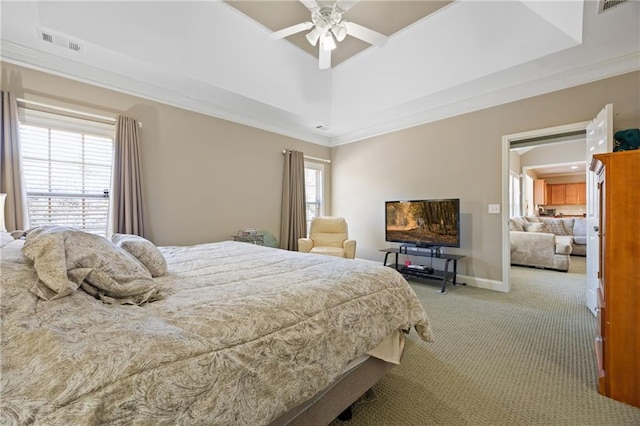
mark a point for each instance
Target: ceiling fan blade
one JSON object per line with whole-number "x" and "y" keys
{"x": 324, "y": 59}
{"x": 286, "y": 32}
{"x": 365, "y": 34}
{"x": 345, "y": 5}
{"x": 310, "y": 4}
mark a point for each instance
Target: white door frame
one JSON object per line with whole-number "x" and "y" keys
{"x": 506, "y": 146}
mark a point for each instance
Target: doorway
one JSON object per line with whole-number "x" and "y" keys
{"x": 522, "y": 140}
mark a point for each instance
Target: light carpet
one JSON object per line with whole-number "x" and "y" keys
{"x": 519, "y": 358}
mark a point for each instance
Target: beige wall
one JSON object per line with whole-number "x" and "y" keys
{"x": 204, "y": 178}
{"x": 461, "y": 157}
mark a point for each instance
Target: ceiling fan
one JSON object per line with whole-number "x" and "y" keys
{"x": 327, "y": 27}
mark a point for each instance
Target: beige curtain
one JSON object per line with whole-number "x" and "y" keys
{"x": 294, "y": 221}
{"x": 11, "y": 176}
{"x": 126, "y": 197}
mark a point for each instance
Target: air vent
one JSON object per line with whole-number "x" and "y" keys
{"x": 58, "y": 40}
{"x": 47, "y": 37}
{"x": 606, "y": 5}
{"x": 74, "y": 46}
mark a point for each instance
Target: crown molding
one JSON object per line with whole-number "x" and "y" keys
{"x": 232, "y": 107}
{"x": 245, "y": 112}
{"x": 451, "y": 106}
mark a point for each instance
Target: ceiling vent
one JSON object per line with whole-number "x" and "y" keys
{"x": 58, "y": 40}
{"x": 605, "y": 5}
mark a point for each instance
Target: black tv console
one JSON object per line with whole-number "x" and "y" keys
{"x": 426, "y": 272}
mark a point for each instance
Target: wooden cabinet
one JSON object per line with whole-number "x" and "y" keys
{"x": 571, "y": 193}
{"x": 567, "y": 193}
{"x": 557, "y": 194}
{"x": 582, "y": 192}
{"x": 618, "y": 340}
{"x": 539, "y": 192}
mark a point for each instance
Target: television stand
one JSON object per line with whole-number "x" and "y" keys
{"x": 423, "y": 272}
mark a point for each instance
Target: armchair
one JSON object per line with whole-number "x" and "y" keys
{"x": 328, "y": 235}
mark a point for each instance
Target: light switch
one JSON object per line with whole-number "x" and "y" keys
{"x": 494, "y": 208}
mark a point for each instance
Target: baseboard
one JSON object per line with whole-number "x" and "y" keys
{"x": 482, "y": 283}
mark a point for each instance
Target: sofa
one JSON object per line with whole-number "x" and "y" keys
{"x": 546, "y": 242}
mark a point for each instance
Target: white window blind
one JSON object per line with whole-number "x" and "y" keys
{"x": 67, "y": 168}
{"x": 313, "y": 182}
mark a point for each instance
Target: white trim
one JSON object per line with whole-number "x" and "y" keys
{"x": 515, "y": 92}
{"x": 69, "y": 110}
{"x": 482, "y": 283}
{"x": 306, "y": 157}
{"x": 275, "y": 120}
{"x": 34, "y": 117}
{"x": 285, "y": 123}
{"x": 506, "y": 145}
{"x": 322, "y": 160}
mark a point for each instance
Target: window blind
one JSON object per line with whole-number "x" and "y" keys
{"x": 67, "y": 172}
{"x": 313, "y": 180}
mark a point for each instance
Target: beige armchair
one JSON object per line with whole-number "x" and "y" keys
{"x": 328, "y": 235}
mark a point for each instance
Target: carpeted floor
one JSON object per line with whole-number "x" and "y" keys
{"x": 522, "y": 358}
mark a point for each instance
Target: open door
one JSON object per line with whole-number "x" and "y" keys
{"x": 599, "y": 140}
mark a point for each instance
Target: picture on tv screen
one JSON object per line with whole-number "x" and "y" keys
{"x": 425, "y": 223}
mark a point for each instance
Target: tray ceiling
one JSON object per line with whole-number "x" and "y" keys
{"x": 212, "y": 57}
{"x": 386, "y": 17}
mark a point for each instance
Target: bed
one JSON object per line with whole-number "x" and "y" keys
{"x": 230, "y": 333}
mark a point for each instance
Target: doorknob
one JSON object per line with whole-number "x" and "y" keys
{"x": 596, "y": 228}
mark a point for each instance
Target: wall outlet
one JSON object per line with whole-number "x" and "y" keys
{"x": 494, "y": 208}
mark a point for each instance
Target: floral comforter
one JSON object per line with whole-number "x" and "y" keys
{"x": 244, "y": 334}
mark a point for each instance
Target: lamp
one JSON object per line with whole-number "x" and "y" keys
{"x": 340, "y": 31}
{"x": 313, "y": 36}
{"x": 2, "y": 197}
{"x": 327, "y": 42}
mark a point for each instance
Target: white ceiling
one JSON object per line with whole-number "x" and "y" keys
{"x": 563, "y": 169}
{"x": 207, "y": 56}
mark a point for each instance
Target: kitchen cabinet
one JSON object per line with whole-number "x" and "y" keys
{"x": 571, "y": 193}
{"x": 540, "y": 192}
{"x": 582, "y": 192}
{"x": 566, "y": 193}
{"x": 557, "y": 194}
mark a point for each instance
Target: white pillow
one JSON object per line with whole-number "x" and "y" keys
{"x": 143, "y": 250}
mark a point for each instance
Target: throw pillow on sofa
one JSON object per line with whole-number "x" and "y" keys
{"x": 516, "y": 224}
{"x": 536, "y": 227}
{"x": 556, "y": 227}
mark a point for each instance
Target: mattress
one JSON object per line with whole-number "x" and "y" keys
{"x": 242, "y": 334}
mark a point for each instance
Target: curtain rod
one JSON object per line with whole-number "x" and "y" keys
{"x": 284, "y": 151}
{"x": 72, "y": 111}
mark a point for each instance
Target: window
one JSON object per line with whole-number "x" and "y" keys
{"x": 313, "y": 186}
{"x": 67, "y": 169}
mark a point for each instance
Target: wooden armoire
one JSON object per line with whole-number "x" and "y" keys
{"x": 618, "y": 342}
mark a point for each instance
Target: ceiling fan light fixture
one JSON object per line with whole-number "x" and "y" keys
{"x": 327, "y": 28}
{"x": 327, "y": 42}
{"x": 340, "y": 31}
{"x": 322, "y": 25}
{"x": 313, "y": 36}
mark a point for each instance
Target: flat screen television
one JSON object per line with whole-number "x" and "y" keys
{"x": 423, "y": 223}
